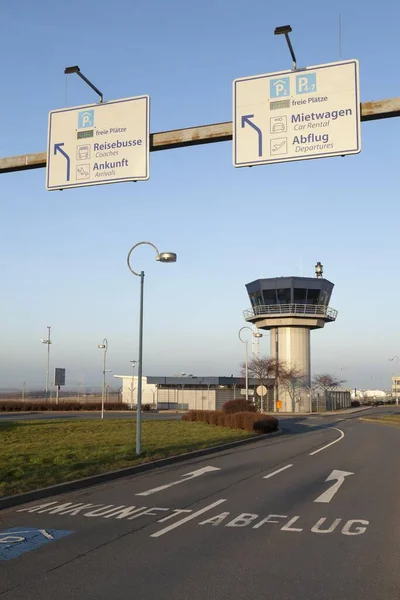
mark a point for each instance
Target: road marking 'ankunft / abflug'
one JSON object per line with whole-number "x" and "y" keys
{"x": 185, "y": 477}
{"x": 188, "y": 518}
{"x": 276, "y": 472}
{"x": 330, "y": 443}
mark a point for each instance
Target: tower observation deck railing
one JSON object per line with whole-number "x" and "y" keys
{"x": 292, "y": 310}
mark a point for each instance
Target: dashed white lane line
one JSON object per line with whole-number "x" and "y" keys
{"x": 188, "y": 518}
{"x": 278, "y": 471}
{"x": 331, "y": 443}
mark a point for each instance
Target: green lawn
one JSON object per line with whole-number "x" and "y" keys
{"x": 389, "y": 419}
{"x": 35, "y": 454}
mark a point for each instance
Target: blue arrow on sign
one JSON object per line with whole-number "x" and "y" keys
{"x": 246, "y": 121}
{"x": 58, "y": 148}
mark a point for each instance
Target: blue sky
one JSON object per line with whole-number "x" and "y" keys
{"x": 63, "y": 254}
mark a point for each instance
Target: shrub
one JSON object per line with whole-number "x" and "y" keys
{"x": 222, "y": 420}
{"x": 355, "y": 403}
{"x": 214, "y": 416}
{"x": 249, "y": 421}
{"x": 238, "y": 406}
{"x": 266, "y": 425}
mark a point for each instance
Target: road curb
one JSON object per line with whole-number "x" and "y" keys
{"x": 61, "y": 488}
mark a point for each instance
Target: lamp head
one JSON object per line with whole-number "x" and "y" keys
{"x": 166, "y": 257}
{"x": 282, "y": 30}
{"x": 101, "y": 346}
{"x": 70, "y": 70}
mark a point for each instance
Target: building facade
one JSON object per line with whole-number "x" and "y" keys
{"x": 191, "y": 393}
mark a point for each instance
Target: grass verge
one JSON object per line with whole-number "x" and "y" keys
{"x": 386, "y": 419}
{"x": 36, "y": 454}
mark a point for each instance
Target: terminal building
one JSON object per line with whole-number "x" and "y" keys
{"x": 189, "y": 392}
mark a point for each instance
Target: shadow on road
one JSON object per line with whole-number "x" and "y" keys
{"x": 297, "y": 425}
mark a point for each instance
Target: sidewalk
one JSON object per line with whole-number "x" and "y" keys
{"x": 328, "y": 413}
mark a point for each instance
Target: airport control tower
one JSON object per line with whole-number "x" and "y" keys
{"x": 290, "y": 307}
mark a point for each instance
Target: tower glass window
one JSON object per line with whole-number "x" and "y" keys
{"x": 313, "y": 296}
{"x": 269, "y": 297}
{"x": 284, "y": 296}
{"x": 299, "y": 295}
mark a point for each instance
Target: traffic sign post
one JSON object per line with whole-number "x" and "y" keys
{"x": 99, "y": 143}
{"x": 297, "y": 115}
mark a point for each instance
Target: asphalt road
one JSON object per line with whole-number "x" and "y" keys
{"x": 309, "y": 515}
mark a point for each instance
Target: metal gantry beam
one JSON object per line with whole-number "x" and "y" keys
{"x": 195, "y": 136}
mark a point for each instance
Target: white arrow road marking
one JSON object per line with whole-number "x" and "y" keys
{"x": 183, "y": 478}
{"x": 278, "y": 471}
{"x": 340, "y": 476}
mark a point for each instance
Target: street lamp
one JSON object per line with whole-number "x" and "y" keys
{"x": 133, "y": 363}
{"x": 48, "y": 342}
{"x": 166, "y": 257}
{"x": 256, "y": 335}
{"x": 103, "y": 346}
{"x": 396, "y": 359}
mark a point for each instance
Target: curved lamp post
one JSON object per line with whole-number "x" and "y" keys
{"x": 165, "y": 257}
{"x": 257, "y": 335}
{"x": 103, "y": 346}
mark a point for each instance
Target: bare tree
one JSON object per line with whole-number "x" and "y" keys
{"x": 262, "y": 368}
{"x": 292, "y": 379}
{"x": 327, "y": 382}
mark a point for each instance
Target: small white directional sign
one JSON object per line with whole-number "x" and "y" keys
{"x": 296, "y": 115}
{"x": 99, "y": 143}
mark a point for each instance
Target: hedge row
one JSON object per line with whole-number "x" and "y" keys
{"x": 249, "y": 421}
{"x": 239, "y": 405}
{"x": 12, "y": 406}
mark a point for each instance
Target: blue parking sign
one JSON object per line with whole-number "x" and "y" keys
{"x": 18, "y": 540}
{"x": 306, "y": 83}
{"x": 279, "y": 87}
{"x": 85, "y": 119}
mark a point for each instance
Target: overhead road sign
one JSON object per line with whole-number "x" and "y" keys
{"x": 297, "y": 115}
{"x": 99, "y": 143}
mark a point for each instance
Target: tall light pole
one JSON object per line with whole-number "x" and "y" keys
{"x": 396, "y": 359}
{"x": 166, "y": 257}
{"x": 104, "y": 347}
{"x": 133, "y": 363}
{"x": 246, "y": 363}
{"x": 48, "y": 342}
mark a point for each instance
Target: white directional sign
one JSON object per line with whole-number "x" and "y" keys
{"x": 99, "y": 143}
{"x": 294, "y": 115}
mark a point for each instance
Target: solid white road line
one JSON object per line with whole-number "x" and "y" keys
{"x": 186, "y": 477}
{"x": 278, "y": 471}
{"x": 188, "y": 518}
{"x": 331, "y": 443}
